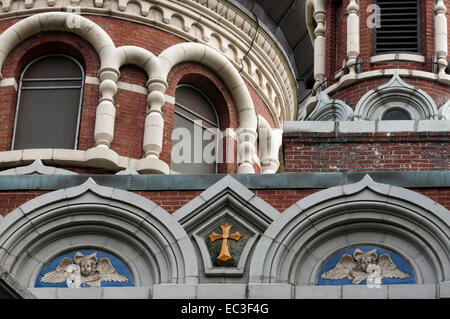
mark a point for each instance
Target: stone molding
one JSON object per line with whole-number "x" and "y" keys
{"x": 295, "y": 246}
{"x": 396, "y": 94}
{"x": 444, "y": 111}
{"x": 37, "y": 167}
{"x": 328, "y": 109}
{"x": 289, "y": 251}
{"x": 367, "y": 126}
{"x": 149, "y": 240}
{"x": 227, "y": 199}
{"x": 265, "y": 67}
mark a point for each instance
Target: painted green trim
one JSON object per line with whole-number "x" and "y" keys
{"x": 201, "y": 182}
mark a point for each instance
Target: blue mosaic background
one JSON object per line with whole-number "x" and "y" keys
{"x": 120, "y": 267}
{"x": 396, "y": 259}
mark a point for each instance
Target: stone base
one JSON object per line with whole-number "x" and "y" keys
{"x": 102, "y": 157}
{"x": 151, "y": 165}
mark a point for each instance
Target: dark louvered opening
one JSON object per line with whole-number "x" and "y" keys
{"x": 400, "y": 26}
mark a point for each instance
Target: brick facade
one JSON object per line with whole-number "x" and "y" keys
{"x": 325, "y": 152}
{"x": 130, "y": 105}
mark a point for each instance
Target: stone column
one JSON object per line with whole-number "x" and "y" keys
{"x": 319, "y": 42}
{"x": 106, "y": 111}
{"x": 154, "y": 122}
{"x": 246, "y": 150}
{"x": 154, "y": 130}
{"x": 440, "y": 35}
{"x": 353, "y": 43}
{"x": 101, "y": 155}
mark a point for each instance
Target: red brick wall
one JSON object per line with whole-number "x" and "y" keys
{"x": 130, "y": 114}
{"x": 130, "y": 106}
{"x": 280, "y": 199}
{"x": 328, "y": 152}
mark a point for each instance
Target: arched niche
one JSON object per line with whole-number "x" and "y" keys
{"x": 146, "y": 238}
{"x": 295, "y": 247}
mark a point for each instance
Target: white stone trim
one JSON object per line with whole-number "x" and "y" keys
{"x": 388, "y": 57}
{"x": 366, "y": 126}
{"x": 9, "y": 82}
{"x": 328, "y": 109}
{"x": 132, "y": 87}
{"x": 65, "y": 157}
{"x": 92, "y": 80}
{"x": 37, "y": 167}
{"x": 120, "y": 85}
{"x": 270, "y": 141}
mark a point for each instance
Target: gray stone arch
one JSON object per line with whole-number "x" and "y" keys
{"x": 295, "y": 247}
{"x": 143, "y": 235}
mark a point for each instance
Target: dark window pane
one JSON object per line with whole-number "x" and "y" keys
{"x": 193, "y": 100}
{"x": 396, "y": 115}
{"x": 193, "y": 148}
{"x": 400, "y": 26}
{"x": 48, "y": 110}
{"x": 194, "y": 138}
{"x": 53, "y": 66}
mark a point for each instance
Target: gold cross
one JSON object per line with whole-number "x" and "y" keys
{"x": 225, "y": 251}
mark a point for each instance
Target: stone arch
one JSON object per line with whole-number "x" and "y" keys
{"x": 58, "y": 21}
{"x": 296, "y": 246}
{"x": 217, "y": 62}
{"x": 328, "y": 109}
{"x": 147, "y": 238}
{"x": 396, "y": 94}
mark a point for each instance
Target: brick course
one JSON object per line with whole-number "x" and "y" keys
{"x": 326, "y": 152}
{"x": 280, "y": 199}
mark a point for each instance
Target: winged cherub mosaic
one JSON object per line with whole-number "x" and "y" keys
{"x": 362, "y": 266}
{"x": 83, "y": 270}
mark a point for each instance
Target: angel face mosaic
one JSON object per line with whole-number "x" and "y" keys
{"x": 366, "y": 265}
{"x": 85, "y": 268}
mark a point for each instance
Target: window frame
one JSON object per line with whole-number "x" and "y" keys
{"x": 80, "y": 103}
{"x": 217, "y": 126}
{"x": 419, "y": 51}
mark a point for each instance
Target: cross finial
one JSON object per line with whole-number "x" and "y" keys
{"x": 225, "y": 251}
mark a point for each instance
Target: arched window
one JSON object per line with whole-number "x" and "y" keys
{"x": 194, "y": 135}
{"x": 396, "y": 114}
{"x": 49, "y": 104}
{"x": 399, "y": 29}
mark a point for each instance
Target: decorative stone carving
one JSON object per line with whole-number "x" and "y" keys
{"x": 444, "y": 111}
{"x": 225, "y": 202}
{"x": 294, "y": 247}
{"x": 362, "y": 266}
{"x": 37, "y": 167}
{"x": 328, "y": 109}
{"x": 396, "y": 94}
{"x": 224, "y": 254}
{"x": 83, "y": 270}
